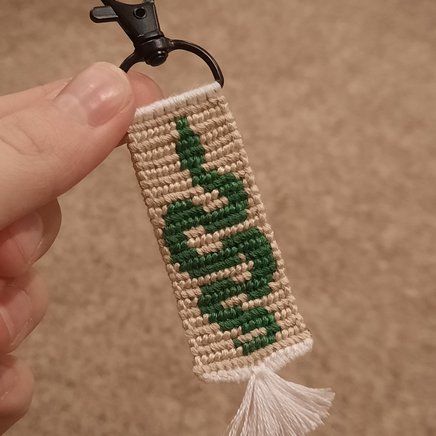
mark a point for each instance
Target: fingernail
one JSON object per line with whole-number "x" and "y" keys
{"x": 28, "y": 233}
{"x": 8, "y": 378}
{"x": 15, "y": 311}
{"x": 96, "y": 95}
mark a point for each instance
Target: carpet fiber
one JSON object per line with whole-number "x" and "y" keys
{"x": 336, "y": 101}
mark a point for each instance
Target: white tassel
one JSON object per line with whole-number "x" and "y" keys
{"x": 275, "y": 407}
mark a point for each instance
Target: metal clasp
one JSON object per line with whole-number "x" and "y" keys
{"x": 141, "y": 24}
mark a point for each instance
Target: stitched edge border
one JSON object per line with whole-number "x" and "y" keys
{"x": 173, "y": 103}
{"x": 275, "y": 362}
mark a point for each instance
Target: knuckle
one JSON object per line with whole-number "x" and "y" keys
{"x": 22, "y": 133}
{"x": 23, "y": 304}
{"x": 17, "y": 399}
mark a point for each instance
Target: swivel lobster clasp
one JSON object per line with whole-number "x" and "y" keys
{"x": 141, "y": 24}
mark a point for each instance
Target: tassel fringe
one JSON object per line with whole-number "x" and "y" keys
{"x": 276, "y": 407}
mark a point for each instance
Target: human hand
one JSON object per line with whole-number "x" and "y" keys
{"x": 50, "y": 138}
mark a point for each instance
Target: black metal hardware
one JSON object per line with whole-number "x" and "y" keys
{"x": 141, "y": 24}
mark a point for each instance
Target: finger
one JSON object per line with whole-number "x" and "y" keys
{"x": 16, "y": 390}
{"x": 145, "y": 89}
{"x": 49, "y": 147}
{"x": 23, "y": 303}
{"x": 26, "y": 240}
{"x": 20, "y": 100}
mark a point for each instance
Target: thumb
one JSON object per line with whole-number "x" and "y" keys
{"x": 48, "y": 147}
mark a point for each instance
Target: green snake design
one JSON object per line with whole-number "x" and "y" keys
{"x": 183, "y": 215}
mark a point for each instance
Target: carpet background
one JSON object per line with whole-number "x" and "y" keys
{"x": 336, "y": 101}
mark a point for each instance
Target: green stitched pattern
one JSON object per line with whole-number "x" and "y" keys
{"x": 250, "y": 245}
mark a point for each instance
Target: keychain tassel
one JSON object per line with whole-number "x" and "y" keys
{"x": 271, "y": 405}
{"x": 274, "y": 406}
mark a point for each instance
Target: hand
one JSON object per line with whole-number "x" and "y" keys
{"x": 50, "y": 138}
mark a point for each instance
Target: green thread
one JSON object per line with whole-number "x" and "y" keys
{"x": 183, "y": 215}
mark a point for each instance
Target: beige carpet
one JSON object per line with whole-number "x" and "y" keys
{"x": 337, "y": 103}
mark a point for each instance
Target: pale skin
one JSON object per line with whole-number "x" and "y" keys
{"x": 51, "y": 137}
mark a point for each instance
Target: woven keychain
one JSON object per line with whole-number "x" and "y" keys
{"x": 226, "y": 270}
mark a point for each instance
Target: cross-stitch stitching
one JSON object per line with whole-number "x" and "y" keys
{"x": 227, "y": 272}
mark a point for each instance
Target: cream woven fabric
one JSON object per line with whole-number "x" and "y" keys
{"x": 220, "y": 253}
